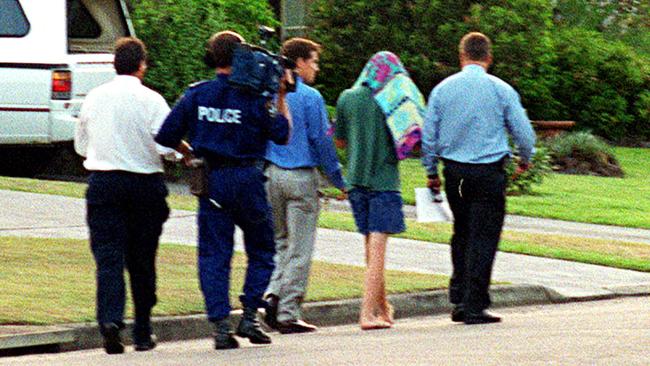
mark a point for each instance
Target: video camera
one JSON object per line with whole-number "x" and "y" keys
{"x": 257, "y": 70}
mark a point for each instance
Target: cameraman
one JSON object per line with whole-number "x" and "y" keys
{"x": 229, "y": 128}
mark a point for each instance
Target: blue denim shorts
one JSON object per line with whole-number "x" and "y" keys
{"x": 377, "y": 211}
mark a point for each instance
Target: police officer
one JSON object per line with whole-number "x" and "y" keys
{"x": 229, "y": 128}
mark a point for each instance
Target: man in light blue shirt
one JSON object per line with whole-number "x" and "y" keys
{"x": 293, "y": 190}
{"x": 469, "y": 117}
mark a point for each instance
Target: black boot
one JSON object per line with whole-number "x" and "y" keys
{"x": 112, "y": 341}
{"x": 271, "y": 315}
{"x": 143, "y": 338}
{"x": 223, "y": 338}
{"x": 249, "y": 327}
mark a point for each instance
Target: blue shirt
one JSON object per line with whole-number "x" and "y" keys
{"x": 309, "y": 145}
{"x": 469, "y": 117}
{"x": 223, "y": 123}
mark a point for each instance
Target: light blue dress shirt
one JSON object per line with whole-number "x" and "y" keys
{"x": 469, "y": 116}
{"x": 309, "y": 145}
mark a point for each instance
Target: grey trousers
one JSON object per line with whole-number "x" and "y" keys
{"x": 293, "y": 195}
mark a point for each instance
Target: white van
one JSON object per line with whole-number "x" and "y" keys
{"x": 52, "y": 52}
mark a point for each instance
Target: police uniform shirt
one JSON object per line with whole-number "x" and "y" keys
{"x": 223, "y": 123}
{"x": 117, "y": 125}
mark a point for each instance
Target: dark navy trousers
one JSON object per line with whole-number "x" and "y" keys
{"x": 236, "y": 198}
{"x": 125, "y": 214}
{"x": 476, "y": 195}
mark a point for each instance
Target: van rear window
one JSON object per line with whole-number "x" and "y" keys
{"x": 81, "y": 23}
{"x": 13, "y": 22}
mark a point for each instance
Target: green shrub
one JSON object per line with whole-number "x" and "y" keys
{"x": 602, "y": 84}
{"x": 584, "y": 142}
{"x": 626, "y": 21}
{"x": 523, "y": 50}
{"x": 175, "y": 32}
{"x": 425, "y": 35}
{"x": 642, "y": 126}
{"x": 583, "y": 153}
{"x": 562, "y": 70}
{"x": 539, "y": 168}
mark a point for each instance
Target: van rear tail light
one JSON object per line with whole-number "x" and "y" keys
{"x": 61, "y": 85}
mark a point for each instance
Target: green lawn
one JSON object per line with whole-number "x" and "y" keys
{"x": 69, "y": 189}
{"x": 611, "y": 201}
{"x": 49, "y": 281}
{"x": 597, "y": 200}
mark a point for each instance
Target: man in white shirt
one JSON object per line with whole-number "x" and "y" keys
{"x": 126, "y": 193}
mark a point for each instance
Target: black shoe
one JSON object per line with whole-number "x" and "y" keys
{"x": 249, "y": 328}
{"x": 147, "y": 344}
{"x": 143, "y": 338}
{"x": 296, "y": 326}
{"x": 112, "y": 341}
{"x": 271, "y": 315}
{"x": 458, "y": 314}
{"x": 222, "y": 341}
{"x": 482, "y": 317}
{"x": 223, "y": 338}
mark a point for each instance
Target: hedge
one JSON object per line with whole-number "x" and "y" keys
{"x": 562, "y": 72}
{"x": 175, "y": 32}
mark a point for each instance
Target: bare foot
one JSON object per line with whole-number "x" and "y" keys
{"x": 389, "y": 315}
{"x": 370, "y": 324}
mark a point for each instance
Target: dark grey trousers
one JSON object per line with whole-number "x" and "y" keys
{"x": 126, "y": 212}
{"x": 476, "y": 194}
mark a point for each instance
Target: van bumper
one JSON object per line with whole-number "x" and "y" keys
{"x": 64, "y": 116}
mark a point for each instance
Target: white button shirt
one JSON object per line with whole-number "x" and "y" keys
{"x": 117, "y": 124}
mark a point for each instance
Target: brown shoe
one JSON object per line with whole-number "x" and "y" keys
{"x": 296, "y": 326}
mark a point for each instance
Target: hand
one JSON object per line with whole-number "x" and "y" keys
{"x": 281, "y": 102}
{"x": 188, "y": 160}
{"x": 434, "y": 186}
{"x": 521, "y": 168}
{"x": 433, "y": 183}
{"x": 343, "y": 195}
{"x": 286, "y": 81}
{"x": 186, "y": 150}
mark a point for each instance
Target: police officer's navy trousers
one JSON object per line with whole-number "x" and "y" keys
{"x": 125, "y": 214}
{"x": 476, "y": 195}
{"x": 236, "y": 197}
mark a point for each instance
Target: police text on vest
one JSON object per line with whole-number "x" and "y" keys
{"x": 218, "y": 115}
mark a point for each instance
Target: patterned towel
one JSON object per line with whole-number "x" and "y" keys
{"x": 399, "y": 99}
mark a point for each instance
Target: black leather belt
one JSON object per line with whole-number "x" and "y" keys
{"x": 499, "y": 163}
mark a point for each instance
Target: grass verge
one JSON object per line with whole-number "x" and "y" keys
{"x": 634, "y": 256}
{"x": 51, "y": 281}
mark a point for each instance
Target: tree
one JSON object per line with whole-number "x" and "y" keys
{"x": 425, "y": 34}
{"x": 175, "y": 32}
